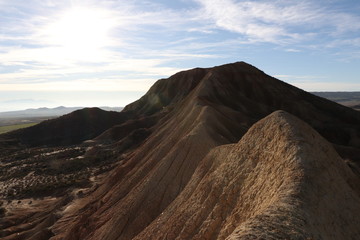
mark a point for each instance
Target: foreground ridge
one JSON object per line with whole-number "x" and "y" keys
{"x": 282, "y": 180}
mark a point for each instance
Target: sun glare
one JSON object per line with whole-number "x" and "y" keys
{"x": 81, "y": 33}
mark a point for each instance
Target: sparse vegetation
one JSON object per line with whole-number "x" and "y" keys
{"x": 2, "y": 211}
{"x": 39, "y": 172}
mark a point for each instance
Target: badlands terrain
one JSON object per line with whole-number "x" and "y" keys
{"x": 227, "y": 152}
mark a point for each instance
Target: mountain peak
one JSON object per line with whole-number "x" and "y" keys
{"x": 177, "y": 87}
{"x": 240, "y": 65}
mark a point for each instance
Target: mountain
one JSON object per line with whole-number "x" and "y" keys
{"x": 72, "y": 128}
{"x": 40, "y": 114}
{"x": 204, "y": 154}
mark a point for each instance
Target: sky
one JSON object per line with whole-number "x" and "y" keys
{"x": 109, "y": 52}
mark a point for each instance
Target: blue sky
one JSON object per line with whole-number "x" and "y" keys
{"x": 108, "y": 52}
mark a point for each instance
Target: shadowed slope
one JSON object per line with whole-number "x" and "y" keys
{"x": 72, "y": 128}
{"x": 281, "y": 181}
{"x": 167, "y": 91}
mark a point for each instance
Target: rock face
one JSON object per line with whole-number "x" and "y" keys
{"x": 201, "y": 164}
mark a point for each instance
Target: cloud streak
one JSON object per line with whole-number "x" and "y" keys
{"x": 280, "y": 22}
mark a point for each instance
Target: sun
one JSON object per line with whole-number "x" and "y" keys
{"x": 81, "y": 32}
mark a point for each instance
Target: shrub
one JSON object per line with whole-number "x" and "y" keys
{"x": 2, "y": 212}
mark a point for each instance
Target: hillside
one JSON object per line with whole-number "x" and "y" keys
{"x": 192, "y": 159}
{"x": 37, "y": 115}
{"x": 278, "y": 173}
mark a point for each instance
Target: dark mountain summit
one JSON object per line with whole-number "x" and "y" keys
{"x": 253, "y": 94}
{"x": 186, "y": 166}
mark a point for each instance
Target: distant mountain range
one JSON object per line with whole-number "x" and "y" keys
{"x": 48, "y": 112}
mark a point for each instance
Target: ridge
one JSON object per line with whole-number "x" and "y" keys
{"x": 277, "y": 173}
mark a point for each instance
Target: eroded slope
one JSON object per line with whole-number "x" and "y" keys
{"x": 282, "y": 180}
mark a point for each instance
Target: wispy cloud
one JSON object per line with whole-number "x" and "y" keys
{"x": 292, "y": 50}
{"x": 280, "y": 22}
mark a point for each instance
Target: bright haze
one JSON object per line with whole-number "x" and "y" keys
{"x": 108, "y": 53}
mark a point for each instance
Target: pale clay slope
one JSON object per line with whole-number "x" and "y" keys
{"x": 150, "y": 180}
{"x": 142, "y": 188}
{"x": 282, "y": 180}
